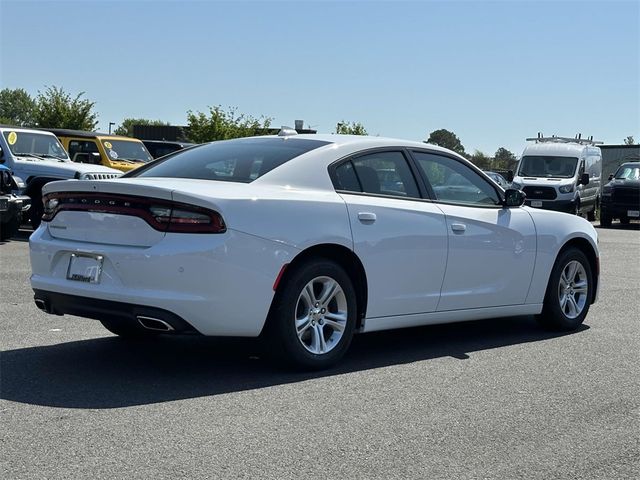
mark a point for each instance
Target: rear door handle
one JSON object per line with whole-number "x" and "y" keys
{"x": 367, "y": 217}
{"x": 458, "y": 227}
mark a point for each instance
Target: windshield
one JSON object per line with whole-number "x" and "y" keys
{"x": 547, "y": 166}
{"x": 628, "y": 172}
{"x": 126, "y": 150}
{"x": 38, "y": 145}
{"x": 240, "y": 160}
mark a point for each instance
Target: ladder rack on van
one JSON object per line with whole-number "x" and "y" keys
{"x": 554, "y": 139}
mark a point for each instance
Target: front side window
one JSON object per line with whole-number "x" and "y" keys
{"x": 547, "y": 166}
{"x": 240, "y": 160}
{"x": 454, "y": 182}
{"x": 380, "y": 173}
{"x": 84, "y": 151}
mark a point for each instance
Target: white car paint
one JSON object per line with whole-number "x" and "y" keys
{"x": 419, "y": 270}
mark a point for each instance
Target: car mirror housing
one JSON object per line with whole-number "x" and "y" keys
{"x": 510, "y": 176}
{"x": 610, "y": 176}
{"x": 513, "y": 197}
{"x": 584, "y": 179}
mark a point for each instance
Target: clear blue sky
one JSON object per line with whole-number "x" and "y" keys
{"x": 492, "y": 72}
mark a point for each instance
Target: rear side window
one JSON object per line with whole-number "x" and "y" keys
{"x": 381, "y": 173}
{"x": 240, "y": 160}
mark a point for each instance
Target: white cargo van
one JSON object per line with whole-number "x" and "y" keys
{"x": 560, "y": 173}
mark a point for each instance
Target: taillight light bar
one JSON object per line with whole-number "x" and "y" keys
{"x": 162, "y": 215}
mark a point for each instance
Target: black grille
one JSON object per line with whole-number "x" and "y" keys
{"x": 626, "y": 196}
{"x": 543, "y": 193}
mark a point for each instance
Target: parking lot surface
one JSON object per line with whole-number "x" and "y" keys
{"x": 491, "y": 399}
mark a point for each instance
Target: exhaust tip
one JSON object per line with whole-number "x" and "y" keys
{"x": 154, "y": 324}
{"x": 41, "y": 304}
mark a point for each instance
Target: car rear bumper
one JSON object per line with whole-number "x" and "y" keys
{"x": 220, "y": 285}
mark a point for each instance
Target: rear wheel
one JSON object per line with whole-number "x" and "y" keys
{"x": 126, "y": 329}
{"x": 569, "y": 292}
{"x": 9, "y": 228}
{"x": 36, "y": 210}
{"x": 314, "y": 316}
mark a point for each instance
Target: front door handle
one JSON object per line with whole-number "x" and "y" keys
{"x": 367, "y": 217}
{"x": 458, "y": 227}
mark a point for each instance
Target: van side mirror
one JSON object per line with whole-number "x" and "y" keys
{"x": 509, "y": 175}
{"x": 513, "y": 197}
{"x": 584, "y": 179}
{"x": 610, "y": 176}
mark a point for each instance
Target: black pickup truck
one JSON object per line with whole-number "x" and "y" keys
{"x": 621, "y": 196}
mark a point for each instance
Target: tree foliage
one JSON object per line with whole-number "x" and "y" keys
{"x": 504, "y": 160}
{"x": 350, "y": 128}
{"x": 629, "y": 140}
{"x": 55, "y": 108}
{"x": 481, "y": 160}
{"x": 445, "y": 138}
{"x": 220, "y": 124}
{"x": 17, "y": 107}
{"x": 126, "y": 127}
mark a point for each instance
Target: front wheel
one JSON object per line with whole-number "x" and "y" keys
{"x": 569, "y": 292}
{"x": 314, "y": 316}
{"x": 624, "y": 220}
{"x": 605, "y": 219}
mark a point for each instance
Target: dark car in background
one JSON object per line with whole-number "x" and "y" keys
{"x": 12, "y": 204}
{"x": 160, "y": 148}
{"x": 621, "y": 196}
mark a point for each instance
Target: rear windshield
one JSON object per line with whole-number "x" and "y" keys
{"x": 240, "y": 160}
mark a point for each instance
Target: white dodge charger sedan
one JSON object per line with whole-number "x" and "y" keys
{"x": 306, "y": 240}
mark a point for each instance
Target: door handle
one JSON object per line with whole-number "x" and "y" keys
{"x": 458, "y": 227}
{"x": 367, "y": 217}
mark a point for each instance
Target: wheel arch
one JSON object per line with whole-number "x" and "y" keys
{"x": 347, "y": 259}
{"x": 585, "y": 247}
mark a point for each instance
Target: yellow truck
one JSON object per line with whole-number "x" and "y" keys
{"x": 122, "y": 153}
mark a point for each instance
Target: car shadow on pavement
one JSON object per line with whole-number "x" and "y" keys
{"x": 109, "y": 372}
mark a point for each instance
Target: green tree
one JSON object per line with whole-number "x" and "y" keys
{"x": 220, "y": 124}
{"x": 445, "y": 138}
{"x": 350, "y": 128}
{"x": 55, "y": 108}
{"x": 504, "y": 159}
{"x": 126, "y": 127}
{"x": 629, "y": 140}
{"x": 481, "y": 160}
{"x": 16, "y": 107}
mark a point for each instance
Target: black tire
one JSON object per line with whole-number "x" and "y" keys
{"x": 129, "y": 330}
{"x": 36, "y": 211}
{"x": 576, "y": 209}
{"x": 625, "y": 220}
{"x": 9, "y": 228}
{"x": 281, "y": 332}
{"x": 605, "y": 219}
{"x": 591, "y": 214}
{"x": 553, "y": 315}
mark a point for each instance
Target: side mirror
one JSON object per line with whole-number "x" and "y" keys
{"x": 584, "y": 179}
{"x": 610, "y": 176}
{"x": 513, "y": 197}
{"x": 510, "y": 176}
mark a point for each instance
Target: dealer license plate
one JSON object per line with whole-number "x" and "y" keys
{"x": 84, "y": 267}
{"x": 4, "y": 204}
{"x": 633, "y": 213}
{"x": 536, "y": 203}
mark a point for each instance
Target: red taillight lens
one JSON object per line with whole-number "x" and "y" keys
{"x": 162, "y": 215}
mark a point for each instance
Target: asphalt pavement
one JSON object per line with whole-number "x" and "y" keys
{"x": 496, "y": 399}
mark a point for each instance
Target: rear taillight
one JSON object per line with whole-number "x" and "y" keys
{"x": 162, "y": 215}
